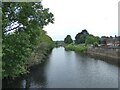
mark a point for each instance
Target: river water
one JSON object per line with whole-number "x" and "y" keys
{"x": 67, "y": 69}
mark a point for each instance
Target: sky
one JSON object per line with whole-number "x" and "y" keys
{"x": 98, "y": 17}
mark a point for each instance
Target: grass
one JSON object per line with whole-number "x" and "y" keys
{"x": 81, "y": 48}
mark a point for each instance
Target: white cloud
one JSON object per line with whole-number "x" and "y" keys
{"x": 99, "y": 17}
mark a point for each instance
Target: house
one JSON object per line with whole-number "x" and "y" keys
{"x": 110, "y": 41}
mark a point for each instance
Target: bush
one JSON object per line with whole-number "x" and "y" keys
{"x": 17, "y": 48}
{"x": 77, "y": 48}
{"x": 95, "y": 44}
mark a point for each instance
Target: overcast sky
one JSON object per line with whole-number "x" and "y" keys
{"x": 99, "y": 17}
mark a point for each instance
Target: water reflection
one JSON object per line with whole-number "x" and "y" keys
{"x": 37, "y": 77}
{"x": 67, "y": 69}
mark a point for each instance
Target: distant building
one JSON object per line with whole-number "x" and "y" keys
{"x": 110, "y": 41}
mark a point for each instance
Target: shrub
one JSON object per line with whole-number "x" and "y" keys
{"x": 77, "y": 48}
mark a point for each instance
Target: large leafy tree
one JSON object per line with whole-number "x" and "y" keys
{"x": 68, "y": 39}
{"x": 80, "y": 37}
{"x": 90, "y": 39}
{"x": 21, "y": 16}
{"x": 25, "y": 20}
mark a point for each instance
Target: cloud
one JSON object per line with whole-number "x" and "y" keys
{"x": 99, "y": 17}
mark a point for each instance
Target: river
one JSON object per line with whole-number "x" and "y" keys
{"x": 67, "y": 69}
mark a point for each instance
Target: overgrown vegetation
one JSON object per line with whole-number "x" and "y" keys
{"x": 68, "y": 40}
{"x": 85, "y": 37}
{"x": 77, "y": 48}
{"x": 81, "y": 37}
{"x": 91, "y": 39}
{"x": 23, "y": 34}
{"x": 81, "y": 41}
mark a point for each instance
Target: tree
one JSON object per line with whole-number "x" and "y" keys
{"x": 80, "y": 37}
{"x": 68, "y": 39}
{"x": 26, "y": 21}
{"x": 111, "y": 37}
{"x": 84, "y": 32}
{"x": 23, "y": 15}
{"x": 77, "y": 38}
{"x": 90, "y": 39}
{"x": 95, "y": 44}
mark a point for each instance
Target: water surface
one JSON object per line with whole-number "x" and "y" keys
{"x": 67, "y": 69}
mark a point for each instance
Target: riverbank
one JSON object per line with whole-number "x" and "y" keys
{"x": 104, "y": 53}
{"x": 39, "y": 54}
{"x": 79, "y": 71}
{"x": 77, "y": 48}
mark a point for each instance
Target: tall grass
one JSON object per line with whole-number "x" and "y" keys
{"x": 77, "y": 48}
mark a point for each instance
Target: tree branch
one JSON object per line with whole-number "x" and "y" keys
{"x": 12, "y": 29}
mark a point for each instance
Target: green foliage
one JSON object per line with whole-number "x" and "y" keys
{"x": 24, "y": 14}
{"x": 80, "y": 37}
{"x": 16, "y": 48}
{"x": 45, "y": 38}
{"x": 95, "y": 44}
{"x": 77, "y": 48}
{"x": 90, "y": 39}
{"x": 0, "y": 42}
{"x": 27, "y": 21}
{"x": 68, "y": 39}
{"x": 83, "y": 38}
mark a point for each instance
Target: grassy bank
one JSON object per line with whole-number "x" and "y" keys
{"x": 77, "y": 48}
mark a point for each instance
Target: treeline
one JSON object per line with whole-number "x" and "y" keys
{"x": 23, "y": 35}
{"x": 82, "y": 38}
{"x": 81, "y": 41}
